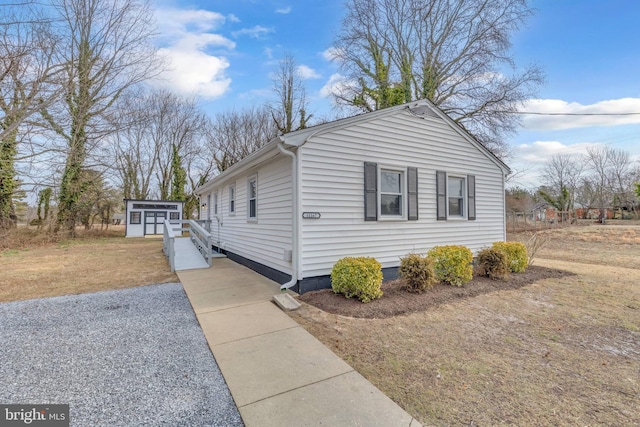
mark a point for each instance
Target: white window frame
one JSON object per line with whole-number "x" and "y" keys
{"x": 465, "y": 199}
{"x": 252, "y": 178}
{"x": 403, "y": 193}
{"x": 232, "y": 200}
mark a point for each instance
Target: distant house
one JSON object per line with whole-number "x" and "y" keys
{"x": 146, "y": 217}
{"x": 381, "y": 184}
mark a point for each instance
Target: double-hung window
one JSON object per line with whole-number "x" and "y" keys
{"x": 456, "y": 196}
{"x": 252, "y": 198}
{"x": 232, "y": 198}
{"x": 392, "y": 188}
{"x": 390, "y": 193}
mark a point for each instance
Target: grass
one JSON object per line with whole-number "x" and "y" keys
{"x": 35, "y": 264}
{"x": 559, "y": 352}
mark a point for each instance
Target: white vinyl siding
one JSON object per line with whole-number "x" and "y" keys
{"x": 264, "y": 241}
{"x": 332, "y": 183}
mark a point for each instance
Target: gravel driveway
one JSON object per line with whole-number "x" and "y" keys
{"x": 119, "y": 358}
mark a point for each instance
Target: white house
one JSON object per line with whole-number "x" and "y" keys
{"x": 382, "y": 184}
{"x": 146, "y": 217}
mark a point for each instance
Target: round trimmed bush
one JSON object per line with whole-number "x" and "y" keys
{"x": 452, "y": 264}
{"x": 493, "y": 263}
{"x": 418, "y": 272}
{"x": 359, "y": 277}
{"x": 516, "y": 252}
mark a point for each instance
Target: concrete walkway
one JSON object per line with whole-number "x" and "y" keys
{"x": 278, "y": 373}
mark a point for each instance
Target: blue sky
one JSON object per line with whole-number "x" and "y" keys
{"x": 224, "y": 51}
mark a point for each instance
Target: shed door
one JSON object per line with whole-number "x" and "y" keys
{"x": 153, "y": 222}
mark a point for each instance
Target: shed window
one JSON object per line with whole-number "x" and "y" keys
{"x": 135, "y": 217}
{"x": 252, "y": 198}
{"x": 174, "y": 215}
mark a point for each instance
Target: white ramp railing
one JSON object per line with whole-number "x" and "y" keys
{"x": 200, "y": 237}
{"x": 169, "y": 240}
{"x": 202, "y": 240}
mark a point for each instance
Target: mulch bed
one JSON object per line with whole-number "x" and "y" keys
{"x": 396, "y": 300}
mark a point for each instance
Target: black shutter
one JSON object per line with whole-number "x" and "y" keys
{"x": 412, "y": 194}
{"x": 471, "y": 196}
{"x": 370, "y": 191}
{"x": 441, "y": 195}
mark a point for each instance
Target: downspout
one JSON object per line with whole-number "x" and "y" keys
{"x": 295, "y": 210}
{"x": 295, "y": 218}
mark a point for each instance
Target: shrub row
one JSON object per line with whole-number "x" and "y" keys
{"x": 361, "y": 277}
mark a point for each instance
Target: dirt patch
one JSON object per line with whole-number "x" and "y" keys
{"x": 397, "y": 301}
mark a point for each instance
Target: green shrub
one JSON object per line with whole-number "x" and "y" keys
{"x": 493, "y": 263}
{"x": 357, "y": 277}
{"x": 418, "y": 272}
{"x": 452, "y": 264}
{"x": 516, "y": 253}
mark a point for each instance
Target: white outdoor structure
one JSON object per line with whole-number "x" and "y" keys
{"x": 146, "y": 217}
{"x": 381, "y": 184}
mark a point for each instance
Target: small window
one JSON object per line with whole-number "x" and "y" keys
{"x": 232, "y": 198}
{"x": 252, "y": 198}
{"x": 456, "y": 193}
{"x": 174, "y": 215}
{"x": 391, "y": 193}
{"x": 135, "y": 217}
{"x": 215, "y": 203}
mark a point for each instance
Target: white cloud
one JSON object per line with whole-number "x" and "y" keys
{"x": 255, "y": 32}
{"x": 541, "y": 151}
{"x": 196, "y": 72}
{"x": 233, "y": 18}
{"x": 307, "y": 72}
{"x": 332, "y": 54}
{"x": 284, "y": 10}
{"x": 554, "y": 122}
{"x": 337, "y": 84}
{"x": 187, "y": 35}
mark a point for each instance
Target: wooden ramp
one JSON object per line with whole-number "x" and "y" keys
{"x": 187, "y": 256}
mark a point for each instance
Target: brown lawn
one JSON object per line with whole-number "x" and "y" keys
{"x": 562, "y": 350}
{"x": 36, "y": 265}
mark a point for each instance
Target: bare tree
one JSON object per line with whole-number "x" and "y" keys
{"x": 621, "y": 179}
{"x": 233, "y": 135}
{"x": 561, "y": 175}
{"x": 598, "y": 159}
{"x": 132, "y": 146}
{"x": 289, "y": 111}
{"x": 106, "y": 50}
{"x": 26, "y": 74}
{"x": 453, "y": 52}
{"x": 174, "y": 121}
